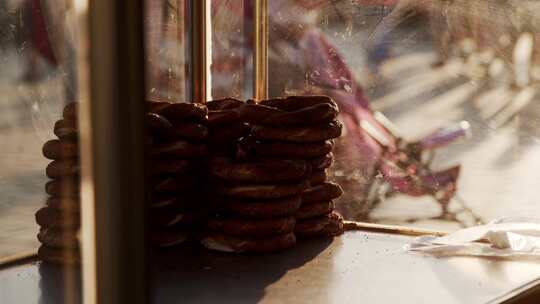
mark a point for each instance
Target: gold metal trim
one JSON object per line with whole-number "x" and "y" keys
{"x": 199, "y": 50}
{"x": 260, "y": 49}
{"x": 112, "y": 156}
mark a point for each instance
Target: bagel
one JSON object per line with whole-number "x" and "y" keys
{"x": 293, "y": 103}
{"x": 229, "y": 134}
{"x": 253, "y": 228}
{"x": 222, "y": 117}
{"x": 184, "y": 112}
{"x": 70, "y": 111}
{"x": 322, "y": 162}
{"x": 190, "y": 131}
{"x": 157, "y": 124}
{"x": 167, "y": 238}
{"x": 59, "y": 238}
{"x": 60, "y": 149}
{"x": 66, "y": 129}
{"x": 47, "y": 217}
{"x": 65, "y": 187}
{"x": 317, "y": 177}
{"x": 224, "y": 104}
{"x": 159, "y": 167}
{"x": 314, "y": 210}
{"x": 155, "y": 106}
{"x": 314, "y": 133}
{"x": 62, "y": 168}
{"x": 59, "y": 256}
{"x": 258, "y": 172}
{"x": 326, "y": 225}
{"x": 286, "y": 149}
{"x": 226, "y": 243}
{"x": 262, "y": 208}
{"x": 262, "y": 191}
{"x": 65, "y": 204}
{"x": 316, "y": 114}
{"x": 179, "y": 148}
{"x": 322, "y": 192}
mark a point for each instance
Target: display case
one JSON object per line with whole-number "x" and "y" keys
{"x": 263, "y": 151}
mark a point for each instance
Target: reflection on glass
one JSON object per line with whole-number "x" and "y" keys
{"x": 437, "y": 98}
{"x": 38, "y": 78}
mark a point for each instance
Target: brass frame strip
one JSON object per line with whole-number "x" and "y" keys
{"x": 260, "y": 49}
{"x": 112, "y": 154}
{"x": 198, "y": 21}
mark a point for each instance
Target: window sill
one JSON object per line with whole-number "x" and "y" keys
{"x": 360, "y": 266}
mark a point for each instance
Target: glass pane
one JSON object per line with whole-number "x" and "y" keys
{"x": 165, "y": 48}
{"x": 438, "y": 100}
{"x": 38, "y": 79}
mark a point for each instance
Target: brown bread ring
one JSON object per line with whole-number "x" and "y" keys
{"x": 323, "y": 192}
{"x": 259, "y": 172}
{"x": 159, "y": 167}
{"x": 62, "y": 168}
{"x": 323, "y": 162}
{"x": 293, "y": 103}
{"x": 316, "y": 114}
{"x": 65, "y": 187}
{"x": 167, "y": 238}
{"x": 314, "y": 210}
{"x": 256, "y": 113}
{"x": 224, "y": 104}
{"x": 222, "y": 117}
{"x": 65, "y": 204}
{"x": 190, "y": 131}
{"x": 299, "y": 134}
{"x": 58, "y": 238}
{"x": 70, "y": 111}
{"x": 326, "y": 225}
{"x": 155, "y": 106}
{"x": 228, "y": 134}
{"x": 184, "y": 112}
{"x": 262, "y": 191}
{"x": 262, "y": 209}
{"x": 66, "y": 129}
{"x": 163, "y": 201}
{"x": 56, "y": 149}
{"x": 59, "y": 256}
{"x": 173, "y": 217}
{"x": 226, "y": 243}
{"x": 47, "y": 217}
{"x": 157, "y": 124}
{"x": 286, "y": 149}
{"x": 254, "y": 228}
{"x": 318, "y": 177}
{"x": 174, "y": 184}
{"x": 179, "y": 148}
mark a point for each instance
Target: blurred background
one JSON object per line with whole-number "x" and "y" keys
{"x": 439, "y": 98}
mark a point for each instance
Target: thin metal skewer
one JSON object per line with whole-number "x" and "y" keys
{"x": 199, "y": 50}
{"x": 260, "y": 49}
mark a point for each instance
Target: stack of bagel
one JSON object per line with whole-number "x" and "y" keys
{"x": 262, "y": 167}
{"x": 225, "y": 126}
{"x": 176, "y": 150}
{"x": 253, "y": 205}
{"x": 59, "y": 219}
{"x": 301, "y": 128}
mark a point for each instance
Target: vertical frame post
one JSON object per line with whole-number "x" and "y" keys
{"x": 112, "y": 155}
{"x": 260, "y": 49}
{"x": 199, "y": 50}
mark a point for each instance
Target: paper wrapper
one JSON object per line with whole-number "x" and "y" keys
{"x": 506, "y": 238}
